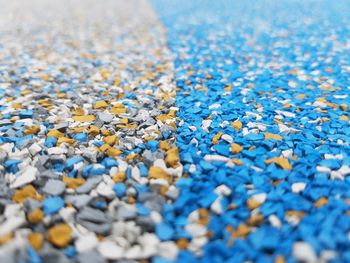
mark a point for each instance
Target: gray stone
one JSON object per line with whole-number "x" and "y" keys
{"x": 105, "y": 117}
{"x": 78, "y": 201}
{"x": 89, "y": 185}
{"x": 54, "y": 187}
{"x": 90, "y": 257}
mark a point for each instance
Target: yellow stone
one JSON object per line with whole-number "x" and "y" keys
{"x": 55, "y": 133}
{"x": 119, "y": 177}
{"x": 344, "y": 118}
{"x": 73, "y": 183}
{"x": 17, "y": 106}
{"x": 237, "y": 161}
{"x": 26, "y": 192}
{"x": 164, "y": 117}
{"x": 105, "y": 73}
{"x": 113, "y": 152}
{"x": 182, "y": 243}
{"x": 131, "y": 156}
{"x": 300, "y": 96}
{"x": 36, "y": 216}
{"x": 252, "y": 204}
{"x": 36, "y": 240}
{"x": 65, "y": 140}
{"x": 281, "y": 162}
{"x": 158, "y": 173}
{"x": 84, "y": 118}
{"x": 32, "y": 130}
{"x": 344, "y": 107}
{"x": 79, "y": 129}
{"x": 321, "y": 202}
{"x": 6, "y": 238}
{"x": 105, "y": 132}
{"x": 164, "y": 145}
{"x": 110, "y": 140}
{"x": 172, "y": 157}
{"x": 236, "y": 148}
{"x": 148, "y": 138}
{"x": 255, "y": 220}
{"x": 104, "y": 147}
{"x": 273, "y": 136}
{"x": 93, "y": 130}
{"x": 25, "y": 92}
{"x": 60, "y": 235}
{"x": 118, "y": 109}
{"x": 216, "y": 138}
{"x": 294, "y": 213}
{"x": 78, "y": 111}
{"x": 237, "y": 125}
{"x": 128, "y": 126}
{"x": 124, "y": 120}
{"x": 280, "y": 259}
{"x": 101, "y": 105}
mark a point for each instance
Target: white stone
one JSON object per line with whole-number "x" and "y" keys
{"x": 344, "y": 170}
{"x": 67, "y": 214}
{"x": 216, "y": 207}
{"x": 86, "y": 242}
{"x": 110, "y": 250}
{"x": 334, "y": 156}
{"x": 196, "y": 230}
{"x": 287, "y": 153}
{"x": 227, "y": 138}
{"x": 275, "y": 221}
{"x": 133, "y": 252}
{"x": 34, "y": 149}
{"x": 323, "y": 169}
{"x": 167, "y": 250}
{"x": 223, "y": 190}
{"x": 206, "y": 124}
{"x": 285, "y": 129}
{"x": 260, "y": 197}
{"x": 11, "y": 224}
{"x": 298, "y": 187}
{"x": 149, "y": 243}
{"x": 216, "y": 158}
{"x": 56, "y": 150}
{"x": 26, "y": 176}
{"x": 303, "y": 252}
{"x": 105, "y": 190}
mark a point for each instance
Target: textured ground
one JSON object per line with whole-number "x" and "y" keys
{"x": 174, "y": 131}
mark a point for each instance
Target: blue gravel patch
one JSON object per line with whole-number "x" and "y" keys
{"x": 263, "y": 97}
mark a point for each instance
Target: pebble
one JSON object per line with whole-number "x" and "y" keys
{"x": 54, "y": 187}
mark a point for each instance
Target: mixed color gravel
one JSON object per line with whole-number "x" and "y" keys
{"x": 174, "y": 131}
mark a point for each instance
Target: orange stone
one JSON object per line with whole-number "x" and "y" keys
{"x": 281, "y": 162}
{"x": 252, "y": 204}
{"x": 36, "y": 240}
{"x": 237, "y": 125}
{"x": 216, "y": 138}
{"x": 158, "y": 173}
{"x": 84, "y": 118}
{"x": 26, "y": 192}
{"x": 36, "y": 216}
{"x": 273, "y": 136}
{"x": 60, "y": 235}
{"x": 73, "y": 183}
{"x": 236, "y": 148}
{"x": 32, "y": 130}
{"x": 119, "y": 177}
{"x": 321, "y": 202}
{"x": 172, "y": 157}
